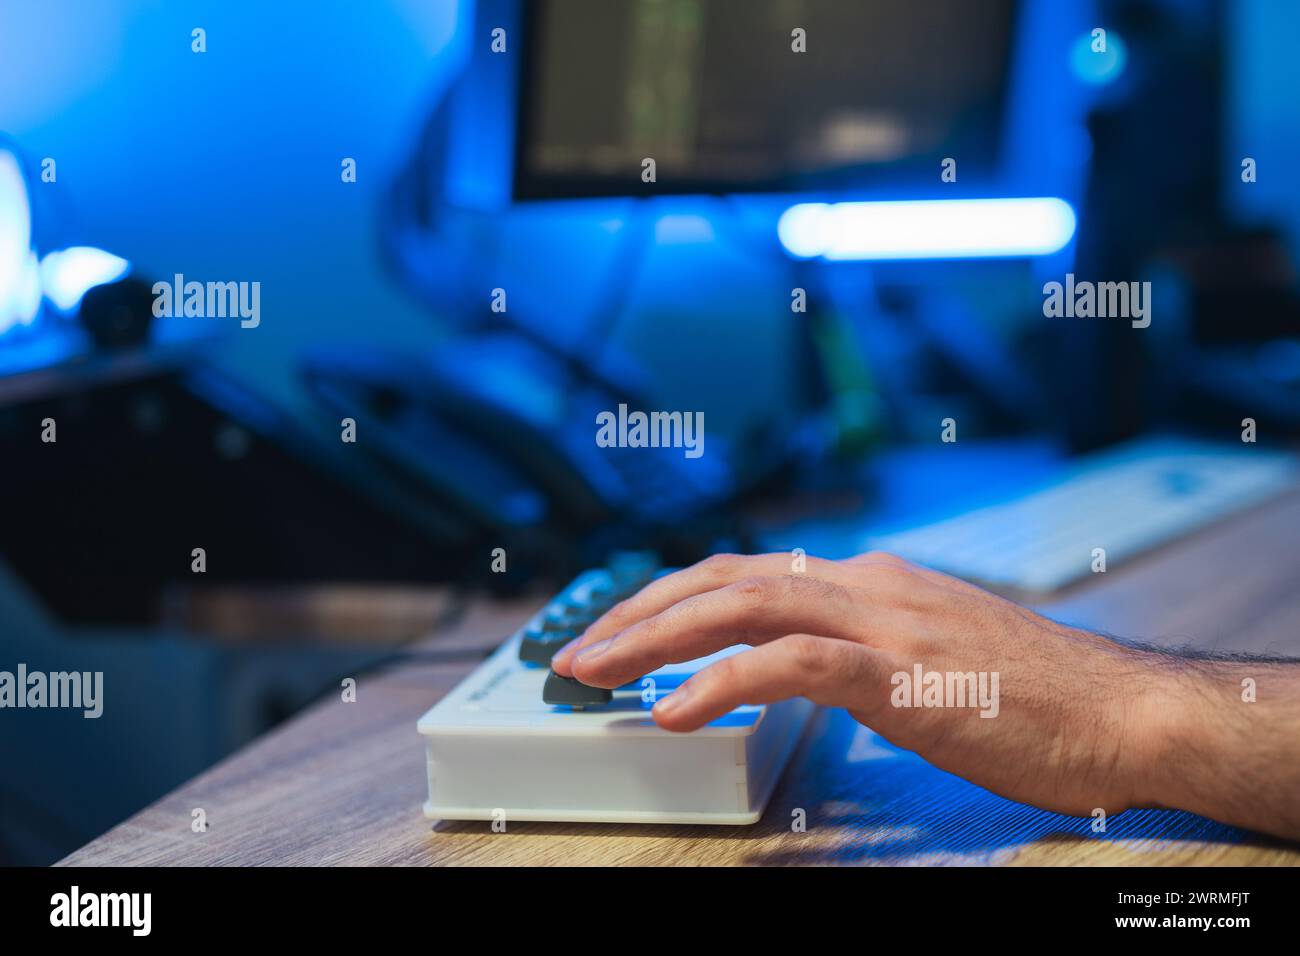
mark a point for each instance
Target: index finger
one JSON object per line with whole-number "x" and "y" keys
{"x": 752, "y": 611}
{"x": 714, "y": 572}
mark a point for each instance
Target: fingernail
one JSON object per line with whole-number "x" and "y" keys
{"x": 595, "y": 650}
{"x": 674, "y": 700}
{"x": 567, "y": 648}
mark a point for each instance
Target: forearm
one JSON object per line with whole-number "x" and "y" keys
{"x": 1229, "y": 744}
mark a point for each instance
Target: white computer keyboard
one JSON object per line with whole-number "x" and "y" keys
{"x": 1124, "y": 501}
{"x": 497, "y": 751}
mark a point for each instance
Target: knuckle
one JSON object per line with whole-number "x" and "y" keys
{"x": 755, "y": 590}
{"x": 721, "y": 565}
{"x": 620, "y": 611}
{"x": 808, "y": 653}
{"x": 885, "y": 559}
{"x": 889, "y": 571}
{"x": 650, "y": 627}
{"x": 723, "y": 673}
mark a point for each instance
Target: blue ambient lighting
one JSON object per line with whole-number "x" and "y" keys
{"x": 927, "y": 229}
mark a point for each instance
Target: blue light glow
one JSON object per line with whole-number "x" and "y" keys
{"x": 1099, "y": 68}
{"x": 69, "y": 274}
{"x": 927, "y": 229}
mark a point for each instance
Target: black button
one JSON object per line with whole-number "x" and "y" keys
{"x": 539, "y": 646}
{"x": 568, "y": 690}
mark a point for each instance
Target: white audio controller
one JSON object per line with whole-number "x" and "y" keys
{"x": 495, "y": 748}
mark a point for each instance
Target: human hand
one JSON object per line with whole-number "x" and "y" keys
{"x": 1073, "y": 721}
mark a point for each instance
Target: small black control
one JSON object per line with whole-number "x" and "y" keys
{"x": 540, "y": 644}
{"x": 568, "y": 690}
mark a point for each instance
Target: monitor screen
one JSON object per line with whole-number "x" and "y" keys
{"x": 715, "y": 92}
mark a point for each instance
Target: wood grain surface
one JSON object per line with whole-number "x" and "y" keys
{"x": 342, "y": 783}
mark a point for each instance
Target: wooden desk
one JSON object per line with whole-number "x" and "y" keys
{"x": 342, "y": 783}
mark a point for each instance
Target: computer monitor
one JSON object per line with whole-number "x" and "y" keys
{"x": 717, "y": 94}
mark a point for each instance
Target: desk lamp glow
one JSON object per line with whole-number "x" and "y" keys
{"x": 63, "y": 276}
{"x": 927, "y": 229}
{"x": 68, "y": 274}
